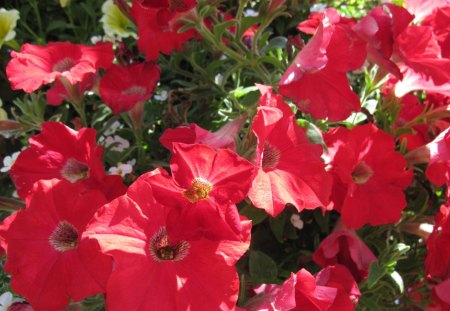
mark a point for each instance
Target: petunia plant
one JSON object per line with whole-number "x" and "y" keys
{"x": 225, "y": 155}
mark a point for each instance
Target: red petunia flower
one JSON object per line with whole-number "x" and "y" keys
{"x": 62, "y": 153}
{"x": 48, "y": 231}
{"x": 58, "y": 92}
{"x": 317, "y": 80}
{"x": 157, "y": 264}
{"x": 158, "y": 31}
{"x": 369, "y": 176}
{"x": 393, "y": 44}
{"x": 194, "y": 134}
{"x": 290, "y": 168}
{"x": 440, "y": 299}
{"x": 204, "y": 186}
{"x": 122, "y": 87}
{"x": 343, "y": 246}
{"x": 35, "y": 65}
{"x": 271, "y": 297}
{"x": 438, "y": 21}
{"x": 423, "y": 8}
{"x": 332, "y": 289}
{"x": 437, "y": 154}
{"x": 437, "y": 263}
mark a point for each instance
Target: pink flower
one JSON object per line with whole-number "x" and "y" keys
{"x": 35, "y": 65}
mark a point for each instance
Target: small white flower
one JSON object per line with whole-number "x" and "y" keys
{"x": 96, "y": 39}
{"x": 8, "y": 162}
{"x": 120, "y": 144}
{"x": 6, "y": 300}
{"x": 296, "y": 221}
{"x": 121, "y": 169}
{"x": 318, "y": 8}
{"x": 250, "y": 12}
{"x": 218, "y": 79}
{"x": 162, "y": 96}
{"x": 113, "y": 128}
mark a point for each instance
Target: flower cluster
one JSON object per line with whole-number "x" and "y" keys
{"x": 347, "y": 135}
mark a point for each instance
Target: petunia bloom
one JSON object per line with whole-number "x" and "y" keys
{"x": 437, "y": 263}
{"x": 115, "y": 23}
{"x": 194, "y": 134}
{"x": 437, "y": 154}
{"x": 122, "y": 87}
{"x": 35, "y": 65}
{"x": 317, "y": 79}
{"x": 440, "y": 300}
{"x": 158, "y": 30}
{"x": 369, "y": 175}
{"x": 48, "y": 231}
{"x": 62, "y": 153}
{"x": 204, "y": 187}
{"x": 8, "y": 22}
{"x": 344, "y": 247}
{"x": 157, "y": 264}
{"x": 332, "y": 289}
{"x": 393, "y": 44}
{"x": 290, "y": 168}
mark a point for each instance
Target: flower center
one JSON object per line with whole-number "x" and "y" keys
{"x": 74, "y": 170}
{"x": 199, "y": 190}
{"x": 270, "y": 156}
{"x": 361, "y": 173}
{"x": 65, "y": 237}
{"x": 64, "y": 64}
{"x": 134, "y": 90}
{"x": 161, "y": 250}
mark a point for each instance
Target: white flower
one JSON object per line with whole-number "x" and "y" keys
{"x": 162, "y": 96}
{"x": 296, "y": 221}
{"x": 8, "y": 22}
{"x": 120, "y": 144}
{"x": 250, "y": 12}
{"x": 121, "y": 169}
{"x": 6, "y": 300}
{"x": 8, "y": 162}
{"x": 96, "y": 39}
{"x": 113, "y": 128}
{"x": 115, "y": 24}
{"x": 318, "y": 7}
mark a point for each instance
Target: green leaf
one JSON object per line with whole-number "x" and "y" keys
{"x": 275, "y": 43}
{"x": 58, "y": 24}
{"x": 250, "y": 99}
{"x": 262, "y": 268}
{"x": 247, "y": 22}
{"x": 376, "y": 272}
{"x": 219, "y": 29}
{"x": 256, "y": 215}
{"x": 241, "y": 91}
{"x": 277, "y": 225}
{"x": 312, "y": 132}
